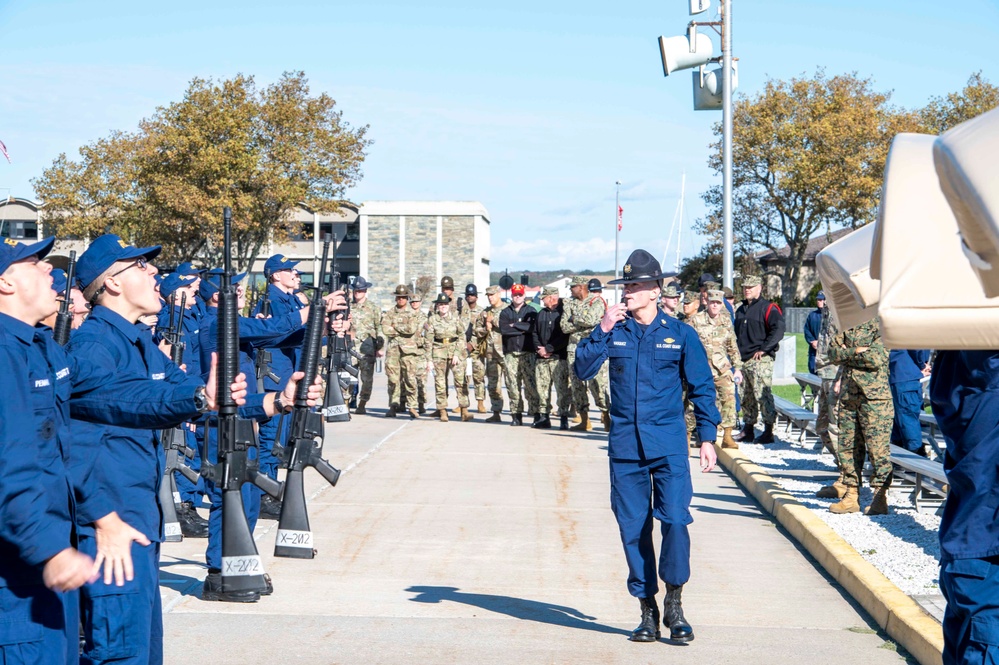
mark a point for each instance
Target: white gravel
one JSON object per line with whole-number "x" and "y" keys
{"x": 903, "y": 545}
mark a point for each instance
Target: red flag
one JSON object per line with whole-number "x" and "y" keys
{"x": 3, "y": 149}
{"x": 620, "y": 217}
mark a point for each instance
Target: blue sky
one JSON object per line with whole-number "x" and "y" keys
{"x": 533, "y": 108}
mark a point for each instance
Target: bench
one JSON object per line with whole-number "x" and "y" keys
{"x": 805, "y": 380}
{"x": 795, "y": 415}
{"x": 932, "y": 433}
{"x": 926, "y": 477}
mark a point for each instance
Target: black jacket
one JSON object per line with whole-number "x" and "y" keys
{"x": 759, "y": 326}
{"x": 516, "y": 328}
{"x": 547, "y": 332}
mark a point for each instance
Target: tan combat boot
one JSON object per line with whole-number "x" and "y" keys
{"x": 465, "y": 415}
{"x": 879, "y": 506}
{"x": 413, "y": 414}
{"x": 727, "y": 440}
{"x": 835, "y": 491}
{"x": 482, "y": 406}
{"x": 850, "y": 503}
{"x": 443, "y": 415}
{"x": 584, "y": 424}
{"x": 457, "y": 410}
{"x": 605, "y": 419}
{"x": 360, "y": 410}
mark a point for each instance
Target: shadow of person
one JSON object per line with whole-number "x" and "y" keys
{"x": 518, "y": 608}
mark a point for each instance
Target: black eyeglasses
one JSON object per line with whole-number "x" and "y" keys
{"x": 140, "y": 262}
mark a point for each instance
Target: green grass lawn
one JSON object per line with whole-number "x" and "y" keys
{"x": 792, "y": 392}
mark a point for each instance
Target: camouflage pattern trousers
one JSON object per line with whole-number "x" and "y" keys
{"x": 826, "y": 425}
{"x": 479, "y": 377}
{"x": 402, "y": 372}
{"x": 599, "y": 386}
{"x": 864, "y": 429}
{"x": 520, "y": 376}
{"x": 366, "y": 369}
{"x": 725, "y": 390}
{"x": 442, "y": 355}
{"x": 546, "y": 372}
{"x": 757, "y": 396}
{"x": 495, "y": 368}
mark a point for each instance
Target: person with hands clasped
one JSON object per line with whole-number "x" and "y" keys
{"x": 651, "y": 356}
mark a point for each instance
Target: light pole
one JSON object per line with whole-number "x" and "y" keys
{"x": 617, "y": 232}
{"x": 727, "y": 255}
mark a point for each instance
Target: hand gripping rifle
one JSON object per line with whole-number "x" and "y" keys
{"x": 262, "y": 360}
{"x": 304, "y": 446}
{"x": 173, "y": 439}
{"x": 242, "y": 569}
{"x": 337, "y": 357}
{"x": 64, "y": 320}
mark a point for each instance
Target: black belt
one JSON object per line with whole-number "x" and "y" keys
{"x": 445, "y": 340}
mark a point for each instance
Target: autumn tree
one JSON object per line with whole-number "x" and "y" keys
{"x": 808, "y": 154}
{"x": 942, "y": 113}
{"x": 226, "y": 143}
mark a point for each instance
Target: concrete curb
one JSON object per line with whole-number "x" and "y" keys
{"x": 898, "y": 614}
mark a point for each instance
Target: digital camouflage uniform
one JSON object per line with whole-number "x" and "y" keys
{"x": 422, "y": 365}
{"x": 445, "y": 335}
{"x": 865, "y": 407}
{"x": 718, "y": 337}
{"x": 401, "y": 327}
{"x": 478, "y": 363}
{"x": 549, "y": 371}
{"x": 579, "y": 318}
{"x": 487, "y": 336}
{"x": 366, "y": 322}
{"x": 825, "y": 400}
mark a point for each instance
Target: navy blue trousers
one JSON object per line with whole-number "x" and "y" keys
{"x": 971, "y": 620}
{"x": 905, "y": 429}
{"x": 34, "y": 626}
{"x": 123, "y": 624}
{"x": 641, "y": 490}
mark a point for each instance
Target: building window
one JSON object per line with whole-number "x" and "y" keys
{"x": 353, "y": 231}
{"x": 19, "y": 229}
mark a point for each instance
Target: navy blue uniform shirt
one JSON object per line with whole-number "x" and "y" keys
{"x": 284, "y": 360}
{"x": 907, "y": 365}
{"x": 191, "y": 325}
{"x": 964, "y": 389}
{"x": 647, "y": 370}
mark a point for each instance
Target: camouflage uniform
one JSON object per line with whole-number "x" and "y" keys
{"x": 424, "y": 361}
{"x": 825, "y": 424}
{"x": 718, "y": 337}
{"x": 478, "y": 362}
{"x": 446, "y": 337}
{"x": 548, "y": 371}
{"x": 403, "y": 354}
{"x": 579, "y": 318}
{"x": 366, "y": 323}
{"x": 487, "y": 336}
{"x": 865, "y": 410}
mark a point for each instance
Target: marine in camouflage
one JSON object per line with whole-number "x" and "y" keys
{"x": 489, "y": 341}
{"x": 579, "y": 318}
{"x": 549, "y": 371}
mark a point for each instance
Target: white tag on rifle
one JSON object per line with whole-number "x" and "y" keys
{"x": 288, "y": 538}
{"x": 335, "y": 410}
{"x": 242, "y": 566}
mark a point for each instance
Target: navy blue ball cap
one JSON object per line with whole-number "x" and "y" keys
{"x": 104, "y": 252}
{"x": 12, "y": 251}
{"x": 211, "y": 283}
{"x": 821, "y": 296}
{"x": 189, "y": 269}
{"x": 278, "y": 262}
{"x": 58, "y": 281}
{"x": 361, "y": 284}
{"x": 641, "y": 267}
{"x": 174, "y": 281}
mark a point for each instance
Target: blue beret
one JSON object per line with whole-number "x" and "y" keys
{"x": 12, "y": 251}
{"x": 105, "y": 252}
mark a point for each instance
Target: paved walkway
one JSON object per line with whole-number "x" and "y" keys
{"x": 478, "y": 543}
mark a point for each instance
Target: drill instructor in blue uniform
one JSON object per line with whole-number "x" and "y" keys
{"x": 651, "y": 356}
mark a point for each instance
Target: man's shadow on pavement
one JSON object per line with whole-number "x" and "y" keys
{"x": 518, "y": 608}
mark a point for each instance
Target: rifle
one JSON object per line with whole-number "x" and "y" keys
{"x": 337, "y": 356}
{"x": 304, "y": 445}
{"x": 242, "y": 569}
{"x": 262, "y": 359}
{"x": 173, "y": 439}
{"x": 64, "y": 320}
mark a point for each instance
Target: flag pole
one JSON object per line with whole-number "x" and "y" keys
{"x": 617, "y": 233}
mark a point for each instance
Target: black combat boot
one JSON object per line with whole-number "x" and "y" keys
{"x": 516, "y": 420}
{"x": 270, "y": 508}
{"x": 212, "y": 590}
{"x": 545, "y": 422}
{"x": 537, "y": 418}
{"x": 679, "y": 629}
{"x": 768, "y": 434}
{"x": 192, "y": 525}
{"x": 563, "y": 422}
{"x": 748, "y": 435}
{"x": 391, "y": 411}
{"x": 495, "y": 418}
{"x": 648, "y": 630}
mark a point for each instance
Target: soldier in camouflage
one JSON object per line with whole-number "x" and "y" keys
{"x": 582, "y": 313}
{"x": 489, "y": 345}
{"x": 669, "y": 301}
{"x": 366, "y": 327}
{"x": 826, "y": 399}
{"x": 515, "y": 326}
{"x": 416, "y": 302}
{"x": 472, "y": 311}
{"x": 551, "y": 367}
{"x": 445, "y": 332}
{"x": 714, "y": 327}
{"x": 866, "y": 413}
{"x": 400, "y": 326}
